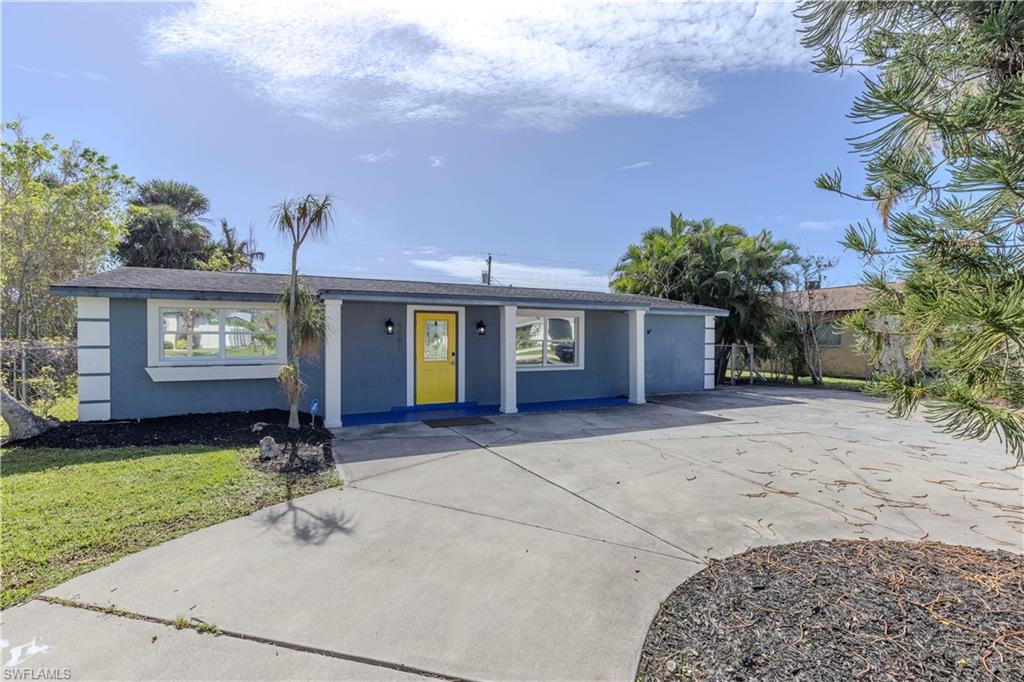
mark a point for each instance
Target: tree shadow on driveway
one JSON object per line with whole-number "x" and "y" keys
{"x": 305, "y": 525}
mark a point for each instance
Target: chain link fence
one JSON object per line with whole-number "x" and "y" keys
{"x": 41, "y": 375}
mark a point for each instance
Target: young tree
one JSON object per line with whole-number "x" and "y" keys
{"x": 944, "y": 154}
{"x": 298, "y": 219}
{"x": 61, "y": 209}
{"x": 808, "y": 309}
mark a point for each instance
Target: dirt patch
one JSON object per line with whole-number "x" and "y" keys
{"x": 227, "y": 429}
{"x": 841, "y": 610}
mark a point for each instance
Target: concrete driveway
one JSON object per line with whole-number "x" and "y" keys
{"x": 536, "y": 547}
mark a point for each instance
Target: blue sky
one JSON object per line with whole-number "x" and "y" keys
{"x": 551, "y": 136}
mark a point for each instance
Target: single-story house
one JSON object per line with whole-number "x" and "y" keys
{"x": 157, "y": 342}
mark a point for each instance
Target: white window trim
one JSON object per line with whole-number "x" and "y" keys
{"x": 187, "y": 369}
{"x": 410, "y": 350}
{"x": 545, "y": 312}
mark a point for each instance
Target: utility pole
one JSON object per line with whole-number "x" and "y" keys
{"x": 486, "y": 275}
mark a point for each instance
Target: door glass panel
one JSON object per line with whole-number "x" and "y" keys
{"x": 435, "y": 340}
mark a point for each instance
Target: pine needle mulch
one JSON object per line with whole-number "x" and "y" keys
{"x": 844, "y": 610}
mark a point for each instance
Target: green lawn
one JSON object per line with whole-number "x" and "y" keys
{"x": 829, "y": 382}
{"x": 66, "y": 512}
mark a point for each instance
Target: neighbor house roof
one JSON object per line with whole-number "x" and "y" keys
{"x": 835, "y": 299}
{"x": 128, "y": 282}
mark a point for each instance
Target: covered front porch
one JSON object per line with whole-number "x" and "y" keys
{"x": 396, "y": 361}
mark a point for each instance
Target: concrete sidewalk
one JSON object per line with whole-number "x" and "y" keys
{"x": 536, "y": 547}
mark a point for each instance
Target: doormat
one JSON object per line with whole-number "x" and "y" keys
{"x": 456, "y": 421}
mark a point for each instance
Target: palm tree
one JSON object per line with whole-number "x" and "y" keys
{"x": 158, "y": 237}
{"x": 298, "y": 219}
{"x": 189, "y": 202}
{"x": 241, "y": 254}
{"x": 717, "y": 265}
{"x": 164, "y": 226}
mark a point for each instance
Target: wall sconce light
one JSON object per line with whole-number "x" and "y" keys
{"x": 481, "y": 328}
{"x": 389, "y": 327}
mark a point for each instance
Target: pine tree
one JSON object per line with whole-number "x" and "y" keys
{"x": 943, "y": 111}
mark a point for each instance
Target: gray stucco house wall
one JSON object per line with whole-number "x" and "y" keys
{"x": 671, "y": 365}
{"x": 628, "y": 346}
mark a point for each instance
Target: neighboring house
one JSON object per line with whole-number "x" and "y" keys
{"x": 156, "y": 342}
{"x": 838, "y": 358}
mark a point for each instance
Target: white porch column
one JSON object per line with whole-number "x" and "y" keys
{"x": 332, "y": 364}
{"x": 508, "y": 360}
{"x": 637, "y": 333}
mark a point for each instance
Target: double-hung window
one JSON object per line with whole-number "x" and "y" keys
{"x": 549, "y": 339}
{"x": 220, "y": 334}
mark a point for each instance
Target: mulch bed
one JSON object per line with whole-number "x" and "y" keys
{"x": 841, "y": 610}
{"x": 224, "y": 429}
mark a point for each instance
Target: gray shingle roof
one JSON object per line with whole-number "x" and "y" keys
{"x": 152, "y": 282}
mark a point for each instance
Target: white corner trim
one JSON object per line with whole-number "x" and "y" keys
{"x": 507, "y": 358}
{"x": 93, "y": 412}
{"x": 93, "y": 308}
{"x": 709, "y": 382}
{"x": 93, "y": 361}
{"x": 93, "y": 333}
{"x": 211, "y": 372}
{"x": 410, "y": 350}
{"x": 709, "y": 321}
{"x": 92, "y": 388}
{"x": 332, "y": 364}
{"x": 637, "y": 364}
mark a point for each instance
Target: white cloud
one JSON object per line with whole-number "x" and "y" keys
{"x": 546, "y": 65}
{"x": 376, "y": 157}
{"x": 437, "y": 160}
{"x": 517, "y": 274}
{"x": 822, "y": 225}
{"x": 634, "y": 166}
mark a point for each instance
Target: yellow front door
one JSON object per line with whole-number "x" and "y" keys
{"x": 435, "y": 357}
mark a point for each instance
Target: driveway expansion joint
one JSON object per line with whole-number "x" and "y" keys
{"x": 317, "y": 651}
{"x": 527, "y": 524}
{"x": 694, "y": 557}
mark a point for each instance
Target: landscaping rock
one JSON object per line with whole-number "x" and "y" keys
{"x": 269, "y": 449}
{"x": 312, "y": 455}
{"x": 258, "y": 426}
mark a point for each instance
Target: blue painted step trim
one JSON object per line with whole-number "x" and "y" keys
{"x": 401, "y": 414}
{"x": 434, "y": 406}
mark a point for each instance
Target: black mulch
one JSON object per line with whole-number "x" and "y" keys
{"x": 225, "y": 429}
{"x": 844, "y": 610}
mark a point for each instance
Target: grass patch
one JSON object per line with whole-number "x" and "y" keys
{"x": 841, "y": 383}
{"x": 66, "y": 512}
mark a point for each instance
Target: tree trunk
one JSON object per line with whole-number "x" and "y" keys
{"x": 22, "y": 422}
{"x": 293, "y": 402}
